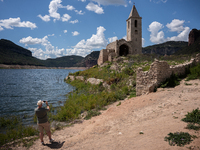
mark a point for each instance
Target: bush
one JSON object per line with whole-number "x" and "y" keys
{"x": 171, "y": 82}
{"x": 91, "y": 114}
{"x": 194, "y": 73}
{"x": 14, "y": 130}
{"x": 179, "y": 138}
{"x": 193, "y": 117}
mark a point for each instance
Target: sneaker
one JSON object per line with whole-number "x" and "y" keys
{"x": 42, "y": 143}
{"x": 51, "y": 140}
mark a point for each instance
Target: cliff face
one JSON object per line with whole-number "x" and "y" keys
{"x": 193, "y": 36}
{"x": 167, "y": 48}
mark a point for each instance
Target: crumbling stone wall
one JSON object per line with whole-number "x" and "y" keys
{"x": 159, "y": 71}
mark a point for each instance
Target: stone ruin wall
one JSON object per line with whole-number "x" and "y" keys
{"x": 159, "y": 71}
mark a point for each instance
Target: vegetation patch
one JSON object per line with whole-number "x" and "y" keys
{"x": 91, "y": 114}
{"x": 179, "y": 138}
{"x": 12, "y": 130}
{"x": 173, "y": 81}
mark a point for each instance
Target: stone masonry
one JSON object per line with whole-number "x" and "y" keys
{"x": 122, "y": 47}
{"x": 159, "y": 71}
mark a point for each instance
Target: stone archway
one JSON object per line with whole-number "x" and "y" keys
{"x": 123, "y": 50}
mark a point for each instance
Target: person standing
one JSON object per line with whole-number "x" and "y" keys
{"x": 42, "y": 120}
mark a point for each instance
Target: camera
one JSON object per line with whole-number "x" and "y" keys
{"x": 44, "y": 101}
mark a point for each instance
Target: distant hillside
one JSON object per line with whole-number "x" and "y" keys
{"x": 12, "y": 54}
{"x": 90, "y": 60}
{"x": 194, "y": 48}
{"x": 66, "y": 61}
{"x": 167, "y": 48}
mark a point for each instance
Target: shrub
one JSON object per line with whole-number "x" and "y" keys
{"x": 91, "y": 113}
{"x": 171, "y": 82}
{"x": 194, "y": 73}
{"x": 193, "y": 117}
{"x": 179, "y": 138}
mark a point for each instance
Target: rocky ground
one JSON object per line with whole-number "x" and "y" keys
{"x": 118, "y": 127}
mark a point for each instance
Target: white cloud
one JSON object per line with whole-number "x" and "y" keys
{"x": 73, "y": 22}
{"x": 16, "y": 22}
{"x": 84, "y": 47}
{"x": 66, "y": 17}
{"x": 183, "y": 36}
{"x": 2, "y": 1}
{"x": 53, "y": 7}
{"x": 156, "y": 36}
{"x": 65, "y": 31}
{"x": 45, "y": 18}
{"x": 96, "y": 8}
{"x": 69, "y": 7}
{"x": 79, "y": 12}
{"x": 32, "y": 41}
{"x": 82, "y": 0}
{"x": 176, "y": 25}
{"x": 112, "y": 39}
{"x": 111, "y": 2}
{"x": 75, "y": 33}
{"x": 143, "y": 42}
{"x": 158, "y": 1}
{"x": 50, "y": 51}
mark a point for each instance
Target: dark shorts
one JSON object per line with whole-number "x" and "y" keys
{"x": 44, "y": 126}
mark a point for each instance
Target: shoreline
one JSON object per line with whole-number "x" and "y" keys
{"x": 3, "y": 66}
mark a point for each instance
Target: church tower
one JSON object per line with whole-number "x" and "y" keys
{"x": 134, "y": 31}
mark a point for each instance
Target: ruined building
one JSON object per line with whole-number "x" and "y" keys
{"x": 122, "y": 47}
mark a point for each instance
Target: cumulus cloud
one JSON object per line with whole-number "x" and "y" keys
{"x": 156, "y": 36}
{"x": 158, "y": 1}
{"x": 143, "y": 42}
{"x": 16, "y": 22}
{"x": 112, "y": 39}
{"x": 96, "y": 8}
{"x": 50, "y": 50}
{"x": 45, "y": 18}
{"x": 54, "y": 5}
{"x": 73, "y": 22}
{"x": 82, "y": 0}
{"x": 65, "y": 31}
{"x": 75, "y": 33}
{"x": 79, "y": 12}
{"x": 66, "y": 17}
{"x": 84, "y": 47}
{"x": 53, "y": 8}
{"x": 176, "y": 25}
{"x": 111, "y": 2}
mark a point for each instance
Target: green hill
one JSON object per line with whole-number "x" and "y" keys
{"x": 192, "y": 49}
{"x": 12, "y": 54}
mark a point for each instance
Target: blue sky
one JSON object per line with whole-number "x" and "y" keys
{"x": 56, "y": 28}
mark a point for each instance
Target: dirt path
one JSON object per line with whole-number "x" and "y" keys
{"x": 118, "y": 128}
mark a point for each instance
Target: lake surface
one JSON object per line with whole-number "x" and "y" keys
{"x": 20, "y": 89}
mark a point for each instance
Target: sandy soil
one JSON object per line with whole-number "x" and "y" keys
{"x": 118, "y": 127}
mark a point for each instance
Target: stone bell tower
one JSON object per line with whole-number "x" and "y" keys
{"x": 134, "y": 31}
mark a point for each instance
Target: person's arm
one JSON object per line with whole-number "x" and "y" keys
{"x": 47, "y": 106}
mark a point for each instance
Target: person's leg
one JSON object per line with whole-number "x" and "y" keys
{"x": 41, "y": 132}
{"x": 49, "y": 134}
{"x": 41, "y": 136}
{"x": 48, "y": 131}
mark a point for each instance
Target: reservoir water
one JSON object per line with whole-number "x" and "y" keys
{"x": 20, "y": 89}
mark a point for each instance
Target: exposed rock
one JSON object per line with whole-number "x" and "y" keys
{"x": 94, "y": 81}
{"x": 193, "y": 36}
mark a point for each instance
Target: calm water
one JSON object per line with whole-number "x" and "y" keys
{"x": 20, "y": 89}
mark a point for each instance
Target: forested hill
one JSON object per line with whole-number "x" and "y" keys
{"x": 12, "y": 54}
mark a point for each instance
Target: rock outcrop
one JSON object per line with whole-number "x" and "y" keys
{"x": 193, "y": 36}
